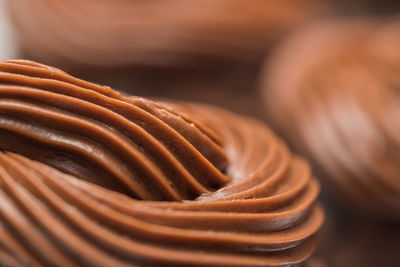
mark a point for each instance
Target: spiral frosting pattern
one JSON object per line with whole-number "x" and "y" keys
{"x": 91, "y": 177}
{"x": 127, "y": 32}
{"x": 337, "y": 90}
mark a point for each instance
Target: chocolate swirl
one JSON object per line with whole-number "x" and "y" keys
{"x": 338, "y": 93}
{"x": 91, "y": 177}
{"x": 179, "y": 32}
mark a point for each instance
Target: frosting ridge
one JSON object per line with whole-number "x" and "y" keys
{"x": 99, "y": 178}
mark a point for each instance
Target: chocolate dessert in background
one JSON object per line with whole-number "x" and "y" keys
{"x": 333, "y": 91}
{"x": 157, "y": 33}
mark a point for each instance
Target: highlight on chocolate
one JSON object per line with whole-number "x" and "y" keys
{"x": 89, "y": 176}
{"x": 333, "y": 91}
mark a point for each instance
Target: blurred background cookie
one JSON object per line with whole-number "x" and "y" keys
{"x": 171, "y": 32}
{"x": 333, "y": 91}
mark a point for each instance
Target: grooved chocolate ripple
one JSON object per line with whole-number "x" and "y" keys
{"x": 91, "y": 177}
{"x": 333, "y": 91}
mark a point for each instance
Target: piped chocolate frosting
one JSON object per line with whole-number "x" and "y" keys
{"x": 179, "y": 32}
{"x": 333, "y": 91}
{"x": 92, "y": 177}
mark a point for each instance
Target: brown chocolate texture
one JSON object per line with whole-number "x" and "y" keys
{"x": 178, "y": 32}
{"x": 92, "y": 177}
{"x": 333, "y": 91}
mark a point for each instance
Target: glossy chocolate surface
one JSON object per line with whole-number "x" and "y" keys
{"x": 92, "y": 177}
